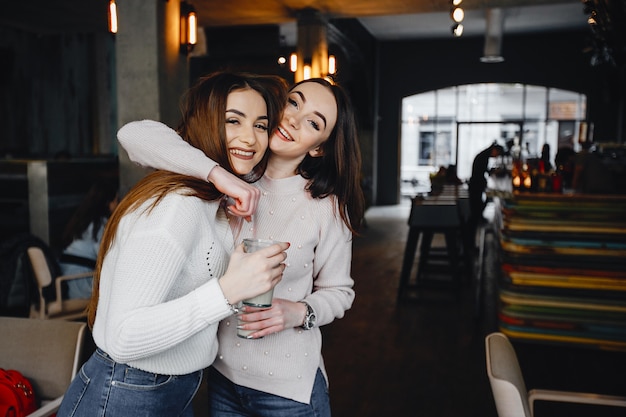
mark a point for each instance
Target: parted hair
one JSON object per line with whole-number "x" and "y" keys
{"x": 203, "y": 126}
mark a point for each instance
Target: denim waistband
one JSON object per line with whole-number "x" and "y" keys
{"x": 104, "y": 357}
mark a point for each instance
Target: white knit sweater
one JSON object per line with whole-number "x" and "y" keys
{"x": 318, "y": 266}
{"x": 160, "y": 300}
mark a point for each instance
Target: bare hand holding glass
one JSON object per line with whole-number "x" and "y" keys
{"x": 251, "y": 274}
{"x": 263, "y": 300}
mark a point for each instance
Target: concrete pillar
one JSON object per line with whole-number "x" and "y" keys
{"x": 312, "y": 44}
{"x": 151, "y": 73}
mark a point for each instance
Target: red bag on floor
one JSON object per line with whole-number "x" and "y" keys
{"x": 17, "y": 398}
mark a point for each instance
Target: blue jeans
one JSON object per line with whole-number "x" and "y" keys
{"x": 103, "y": 387}
{"x": 229, "y": 399}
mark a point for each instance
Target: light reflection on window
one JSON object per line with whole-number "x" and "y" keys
{"x": 451, "y": 125}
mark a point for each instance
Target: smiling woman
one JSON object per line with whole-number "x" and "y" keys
{"x": 168, "y": 271}
{"x": 246, "y": 129}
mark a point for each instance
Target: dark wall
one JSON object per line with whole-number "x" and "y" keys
{"x": 49, "y": 92}
{"x": 550, "y": 59}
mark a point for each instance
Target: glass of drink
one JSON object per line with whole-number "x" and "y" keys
{"x": 262, "y": 300}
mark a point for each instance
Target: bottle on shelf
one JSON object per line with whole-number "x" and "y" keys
{"x": 544, "y": 183}
{"x": 527, "y": 180}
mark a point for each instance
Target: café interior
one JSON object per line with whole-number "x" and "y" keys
{"x": 545, "y": 265}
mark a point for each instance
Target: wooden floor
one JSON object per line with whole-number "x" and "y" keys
{"x": 421, "y": 357}
{"x": 425, "y": 356}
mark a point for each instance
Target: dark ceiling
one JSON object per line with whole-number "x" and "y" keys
{"x": 385, "y": 19}
{"x": 247, "y": 12}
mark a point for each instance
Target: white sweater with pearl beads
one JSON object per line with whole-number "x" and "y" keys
{"x": 318, "y": 271}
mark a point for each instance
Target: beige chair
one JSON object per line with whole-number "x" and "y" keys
{"x": 47, "y": 352}
{"x": 509, "y": 390}
{"x": 59, "y": 308}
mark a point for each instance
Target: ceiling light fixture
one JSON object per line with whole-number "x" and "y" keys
{"x": 457, "y": 15}
{"x": 457, "y": 30}
{"x": 592, "y": 19}
{"x": 492, "y": 52}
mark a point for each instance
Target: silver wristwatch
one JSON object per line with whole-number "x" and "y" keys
{"x": 309, "y": 318}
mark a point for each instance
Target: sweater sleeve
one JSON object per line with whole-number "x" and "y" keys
{"x": 144, "y": 309}
{"x": 333, "y": 291}
{"x": 155, "y": 145}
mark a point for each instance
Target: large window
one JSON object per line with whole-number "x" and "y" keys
{"x": 452, "y": 125}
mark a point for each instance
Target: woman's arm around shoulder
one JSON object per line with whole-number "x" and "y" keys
{"x": 155, "y": 145}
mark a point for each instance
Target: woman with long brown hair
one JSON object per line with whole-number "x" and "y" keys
{"x": 164, "y": 276}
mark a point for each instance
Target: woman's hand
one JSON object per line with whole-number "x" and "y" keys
{"x": 245, "y": 196}
{"x": 283, "y": 314}
{"x": 251, "y": 274}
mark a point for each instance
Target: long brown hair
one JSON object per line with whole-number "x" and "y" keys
{"x": 338, "y": 171}
{"x": 203, "y": 127}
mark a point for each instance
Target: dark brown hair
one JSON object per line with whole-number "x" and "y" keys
{"x": 338, "y": 171}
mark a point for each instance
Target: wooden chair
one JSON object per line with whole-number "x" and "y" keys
{"x": 47, "y": 352}
{"x": 509, "y": 389}
{"x": 59, "y": 308}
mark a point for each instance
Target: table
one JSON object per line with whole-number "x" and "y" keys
{"x": 446, "y": 213}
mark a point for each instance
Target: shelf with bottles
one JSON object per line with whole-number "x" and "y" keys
{"x": 533, "y": 175}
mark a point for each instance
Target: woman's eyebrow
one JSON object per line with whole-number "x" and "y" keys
{"x": 240, "y": 113}
{"x": 320, "y": 115}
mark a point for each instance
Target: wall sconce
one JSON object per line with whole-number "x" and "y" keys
{"x": 332, "y": 64}
{"x": 188, "y": 27}
{"x": 293, "y": 62}
{"x": 293, "y": 65}
{"x": 307, "y": 71}
{"x": 112, "y": 17}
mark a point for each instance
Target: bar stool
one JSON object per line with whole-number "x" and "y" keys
{"x": 428, "y": 218}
